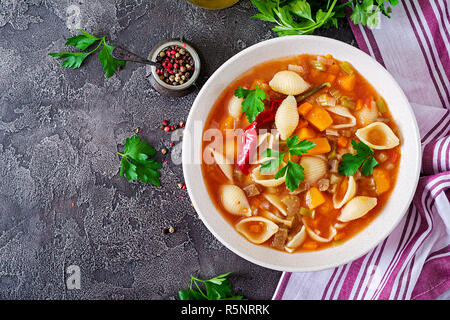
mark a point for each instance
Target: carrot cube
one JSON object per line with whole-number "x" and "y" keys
{"x": 314, "y": 198}
{"x": 319, "y": 117}
{"x": 305, "y": 133}
{"x": 382, "y": 180}
{"x": 304, "y": 108}
{"x": 322, "y": 146}
{"x": 347, "y": 82}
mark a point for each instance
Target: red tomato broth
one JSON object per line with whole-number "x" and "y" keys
{"x": 263, "y": 73}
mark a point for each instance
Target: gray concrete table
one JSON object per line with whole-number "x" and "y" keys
{"x": 62, "y": 201}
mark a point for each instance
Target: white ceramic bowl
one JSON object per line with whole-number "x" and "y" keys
{"x": 365, "y": 240}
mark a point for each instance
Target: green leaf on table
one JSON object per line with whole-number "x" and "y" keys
{"x": 83, "y": 41}
{"x": 136, "y": 162}
{"x": 217, "y": 288}
{"x": 109, "y": 63}
{"x": 70, "y": 59}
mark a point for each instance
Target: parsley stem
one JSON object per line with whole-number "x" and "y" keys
{"x": 102, "y": 40}
{"x": 198, "y": 288}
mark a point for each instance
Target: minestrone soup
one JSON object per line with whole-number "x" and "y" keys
{"x": 303, "y": 153}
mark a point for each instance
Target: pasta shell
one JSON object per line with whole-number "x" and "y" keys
{"x": 273, "y": 217}
{"x": 296, "y": 241}
{"x": 318, "y": 238}
{"x": 356, "y": 208}
{"x": 343, "y": 112}
{"x": 286, "y": 118}
{"x": 234, "y": 200}
{"x": 367, "y": 115}
{"x": 314, "y": 168}
{"x": 378, "y": 135}
{"x": 224, "y": 164}
{"x": 288, "y": 83}
{"x": 257, "y": 229}
{"x": 276, "y": 202}
{"x": 235, "y": 107}
{"x": 348, "y": 195}
{"x": 267, "y": 180}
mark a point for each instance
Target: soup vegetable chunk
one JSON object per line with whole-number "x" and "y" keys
{"x": 305, "y": 153}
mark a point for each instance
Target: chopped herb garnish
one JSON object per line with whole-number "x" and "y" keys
{"x": 136, "y": 163}
{"x": 293, "y": 171}
{"x": 253, "y": 101}
{"x": 217, "y": 288}
{"x": 363, "y": 158}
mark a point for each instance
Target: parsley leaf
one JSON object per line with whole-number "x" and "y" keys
{"x": 109, "y": 63}
{"x": 351, "y": 162}
{"x": 253, "y": 101}
{"x": 83, "y": 41}
{"x": 294, "y": 174}
{"x": 217, "y": 288}
{"x": 297, "y": 147}
{"x": 274, "y": 161}
{"x": 293, "y": 171}
{"x": 305, "y": 16}
{"x": 136, "y": 163}
{"x": 71, "y": 59}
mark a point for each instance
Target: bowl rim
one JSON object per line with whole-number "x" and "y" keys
{"x": 186, "y": 152}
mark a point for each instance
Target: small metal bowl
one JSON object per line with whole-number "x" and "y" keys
{"x": 161, "y": 86}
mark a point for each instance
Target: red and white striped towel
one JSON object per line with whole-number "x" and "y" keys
{"x": 414, "y": 261}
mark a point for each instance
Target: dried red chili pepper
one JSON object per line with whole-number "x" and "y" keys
{"x": 250, "y": 136}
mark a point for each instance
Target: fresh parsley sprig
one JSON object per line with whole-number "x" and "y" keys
{"x": 363, "y": 158}
{"x": 217, "y": 288}
{"x": 253, "y": 101}
{"x": 82, "y": 42}
{"x": 304, "y": 17}
{"x": 136, "y": 162}
{"x": 293, "y": 171}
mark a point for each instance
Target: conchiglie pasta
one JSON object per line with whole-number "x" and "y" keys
{"x": 314, "y": 168}
{"x": 345, "y": 192}
{"x": 288, "y": 82}
{"x": 357, "y": 207}
{"x": 296, "y": 241}
{"x": 234, "y": 200}
{"x": 286, "y": 118}
{"x": 378, "y": 136}
{"x": 257, "y": 229}
{"x": 224, "y": 164}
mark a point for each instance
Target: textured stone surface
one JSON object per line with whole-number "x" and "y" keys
{"x": 62, "y": 201}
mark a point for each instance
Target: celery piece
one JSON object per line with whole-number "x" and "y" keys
{"x": 317, "y": 65}
{"x": 346, "y": 67}
{"x": 348, "y": 102}
{"x": 381, "y": 105}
